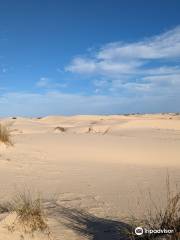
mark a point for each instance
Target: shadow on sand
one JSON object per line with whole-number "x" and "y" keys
{"x": 91, "y": 226}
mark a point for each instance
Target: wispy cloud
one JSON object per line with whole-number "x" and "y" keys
{"x": 172, "y": 79}
{"x": 164, "y": 46}
{"x": 45, "y": 82}
{"x": 60, "y": 103}
{"x": 102, "y": 67}
{"x": 133, "y": 66}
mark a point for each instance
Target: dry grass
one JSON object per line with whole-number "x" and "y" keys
{"x": 29, "y": 211}
{"x": 4, "y": 207}
{"x": 106, "y": 131}
{"x": 5, "y": 134}
{"x": 61, "y": 129}
{"x": 167, "y": 217}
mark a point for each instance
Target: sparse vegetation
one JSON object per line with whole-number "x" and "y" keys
{"x": 167, "y": 217}
{"x": 61, "y": 129}
{"x": 106, "y": 131}
{"x": 29, "y": 211}
{"x": 4, "y": 207}
{"x": 90, "y": 129}
{"x": 5, "y": 134}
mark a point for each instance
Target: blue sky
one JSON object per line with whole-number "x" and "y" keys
{"x": 89, "y": 57}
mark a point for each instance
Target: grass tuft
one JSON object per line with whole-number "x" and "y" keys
{"x": 4, "y": 207}
{"x": 167, "y": 217}
{"x": 61, "y": 129}
{"x": 5, "y": 134}
{"x": 29, "y": 211}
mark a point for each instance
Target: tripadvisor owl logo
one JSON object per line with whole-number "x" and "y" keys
{"x": 139, "y": 231}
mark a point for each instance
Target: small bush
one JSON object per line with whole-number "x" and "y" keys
{"x": 29, "y": 212}
{"x": 61, "y": 129}
{"x": 90, "y": 129}
{"x": 30, "y": 215}
{"x": 5, "y": 134}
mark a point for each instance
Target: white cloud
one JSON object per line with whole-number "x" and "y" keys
{"x": 166, "y": 45}
{"x": 103, "y": 67}
{"x": 121, "y": 57}
{"x": 52, "y": 103}
{"x": 171, "y": 79}
{"x": 45, "y": 82}
{"x": 82, "y": 65}
{"x": 162, "y": 70}
{"x": 55, "y": 103}
{"x": 116, "y": 58}
{"x": 138, "y": 87}
{"x": 137, "y": 66}
{"x": 142, "y": 76}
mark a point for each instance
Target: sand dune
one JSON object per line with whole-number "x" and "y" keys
{"x": 97, "y": 164}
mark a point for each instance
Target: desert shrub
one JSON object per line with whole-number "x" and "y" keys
{"x": 167, "y": 217}
{"x": 29, "y": 211}
{"x": 90, "y": 129}
{"x": 61, "y": 129}
{"x": 5, "y": 134}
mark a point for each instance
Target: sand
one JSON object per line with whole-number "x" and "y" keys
{"x": 91, "y": 171}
